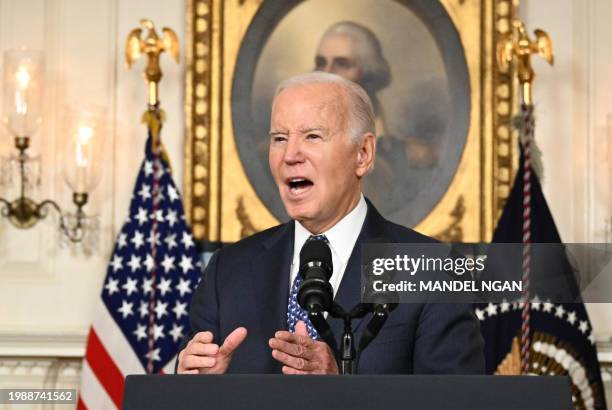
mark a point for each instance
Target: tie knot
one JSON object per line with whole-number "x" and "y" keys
{"x": 318, "y": 238}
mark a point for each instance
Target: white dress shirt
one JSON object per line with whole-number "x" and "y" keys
{"x": 341, "y": 237}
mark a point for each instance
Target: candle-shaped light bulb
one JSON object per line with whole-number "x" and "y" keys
{"x": 23, "y": 77}
{"x": 23, "y": 91}
{"x": 84, "y": 132}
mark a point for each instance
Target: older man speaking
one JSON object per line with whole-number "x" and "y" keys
{"x": 244, "y": 316}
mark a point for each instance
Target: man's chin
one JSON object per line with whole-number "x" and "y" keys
{"x": 299, "y": 212}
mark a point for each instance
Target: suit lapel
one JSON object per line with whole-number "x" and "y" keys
{"x": 349, "y": 292}
{"x": 270, "y": 274}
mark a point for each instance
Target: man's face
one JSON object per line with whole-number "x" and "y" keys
{"x": 337, "y": 54}
{"x": 315, "y": 164}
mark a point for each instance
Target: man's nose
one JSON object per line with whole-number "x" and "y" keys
{"x": 293, "y": 151}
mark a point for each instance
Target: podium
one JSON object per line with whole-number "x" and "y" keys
{"x": 187, "y": 392}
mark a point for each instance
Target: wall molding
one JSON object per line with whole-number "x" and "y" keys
{"x": 42, "y": 345}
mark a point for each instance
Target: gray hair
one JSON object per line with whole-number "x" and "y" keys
{"x": 376, "y": 70}
{"x": 359, "y": 107}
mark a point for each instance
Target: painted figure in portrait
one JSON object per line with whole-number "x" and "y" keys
{"x": 412, "y": 68}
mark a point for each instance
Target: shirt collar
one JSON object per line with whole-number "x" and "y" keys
{"x": 342, "y": 236}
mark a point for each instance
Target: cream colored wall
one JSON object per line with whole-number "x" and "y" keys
{"x": 47, "y": 294}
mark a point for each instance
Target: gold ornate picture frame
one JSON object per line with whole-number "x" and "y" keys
{"x": 221, "y": 202}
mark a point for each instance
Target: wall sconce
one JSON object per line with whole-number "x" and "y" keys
{"x": 23, "y": 106}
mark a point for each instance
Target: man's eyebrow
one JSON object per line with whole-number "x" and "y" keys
{"x": 277, "y": 132}
{"x": 310, "y": 129}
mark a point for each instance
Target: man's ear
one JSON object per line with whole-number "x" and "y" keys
{"x": 366, "y": 154}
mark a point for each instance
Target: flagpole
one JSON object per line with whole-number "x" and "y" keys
{"x": 152, "y": 46}
{"x": 517, "y": 48}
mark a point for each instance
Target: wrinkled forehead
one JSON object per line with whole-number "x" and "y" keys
{"x": 303, "y": 104}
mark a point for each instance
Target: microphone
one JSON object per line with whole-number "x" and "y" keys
{"x": 315, "y": 294}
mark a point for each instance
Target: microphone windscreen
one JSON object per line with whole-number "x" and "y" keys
{"x": 316, "y": 251}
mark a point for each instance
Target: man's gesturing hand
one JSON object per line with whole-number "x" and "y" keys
{"x": 201, "y": 355}
{"x": 302, "y": 355}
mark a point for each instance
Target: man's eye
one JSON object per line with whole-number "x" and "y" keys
{"x": 343, "y": 63}
{"x": 278, "y": 139}
{"x": 313, "y": 137}
{"x": 320, "y": 63}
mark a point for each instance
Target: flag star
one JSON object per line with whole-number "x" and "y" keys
{"x": 584, "y": 326}
{"x": 559, "y": 311}
{"x": 479, "y": 312}
{"x": 130, "y": 285}
{"x": 134, "y": 263}
{"x": 548, "y": 307}
{"x": 138, "y": 239}
{"x": 591, "y": 338}
{"x": 148, "y": 168}
{"x": 536, "y": 305}
{"x": 141, "y": 216}
{"x": 176, "y": 332}
{"x": 116, "y": 263}
{"x": 180, "y": 309}
{"x": 491, "y": 309}
{"x": 112, "y": 286}
{"x": 186, "y": 263}
{"x": 122, "y": 241}
{"x": 187, "y": 240}
{"x": 171, "y": 218}
{"x": 154, "y": 355}
{"x": 172, "y": 194}
{"x": 505, "y": 306}
{"x": 168, "y": 263}
{"x": 159, "y": 215}
{"x": 147, "y": 285}
{"x": 149, "y": 263}
{"x": 145, "y": 192}
{"x": 164, "y": 286}
{"x": 171, "y": 241}
{"x": 158, "y": 331}
{"x": 183, "y": 286}
{"x": 153, "y": 239}
{"x": 160, "y": 309}
{"x": 571, "y": 318}
{"x": 143, "y": 309}
{"x": 140, "y": 332}
{"x": 126, "y": 308}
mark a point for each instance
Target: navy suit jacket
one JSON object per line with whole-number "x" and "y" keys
{"x": 247, "y": 284}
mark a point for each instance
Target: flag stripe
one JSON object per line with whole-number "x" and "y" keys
{"x": 118, "y": 347}
{"x": 104, "y": 368}
{"x": 92, "y": 394}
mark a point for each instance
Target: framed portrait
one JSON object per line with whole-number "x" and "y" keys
{"x": 444, "y": 143}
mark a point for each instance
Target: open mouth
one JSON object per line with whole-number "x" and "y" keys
{"x": 299, "y": 185}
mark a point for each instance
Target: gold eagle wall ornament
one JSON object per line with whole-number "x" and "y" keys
{"x": 517, "y": 46}
{"x": 152, "y": 46}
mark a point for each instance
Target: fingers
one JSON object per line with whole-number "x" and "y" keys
{"x": 202, "y": 337}
{"x": 193, "y": 362}
{"x": 232, "y": 341}
{"x": 300, "y": 339}
{"x": 291, "y": 370}
{"x": 297, "y": 363}
{"x": 203, "y": 349}
{"x": 300, "y": 328}
{"x": 292, "y": 349}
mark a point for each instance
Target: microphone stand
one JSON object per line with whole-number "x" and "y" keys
{"x": 348, "y": 356}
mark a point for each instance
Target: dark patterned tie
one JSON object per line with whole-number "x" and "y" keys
{"x": 294, "y": 310}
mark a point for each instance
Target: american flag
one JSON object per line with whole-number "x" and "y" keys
{"x": 142, "y": 313}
